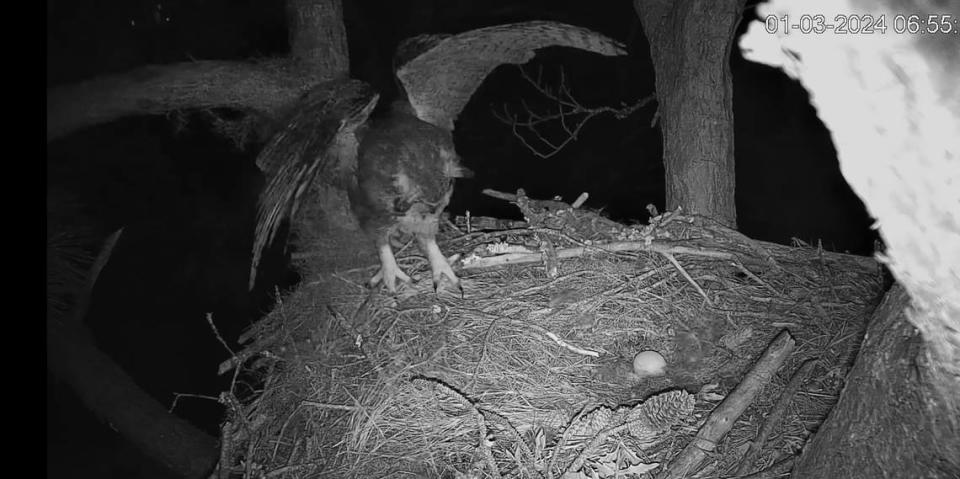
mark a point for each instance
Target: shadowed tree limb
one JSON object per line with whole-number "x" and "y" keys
{"x": 266, "y": 87}
{"x": 318, "y": 53}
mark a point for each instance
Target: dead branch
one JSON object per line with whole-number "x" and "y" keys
{"x": 576, "y": 252}
{"x": 570, "y": 115}
{"x": 683, "y": 272}
{"x": 727, "y": 413}
{"x": 773, "y": 417}
{"x": 484, "y": 225}
{"x": 520, "y": 197}
{"x": 553, "y": 217}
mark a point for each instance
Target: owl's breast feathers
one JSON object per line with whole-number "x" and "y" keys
{"x": 405, "y": 172}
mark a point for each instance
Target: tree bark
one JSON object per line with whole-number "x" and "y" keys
{"x": 690, "y": 42}
{"x": 318, "y": 53}
{"x": 318, "y": 38}
{"x": 115, "y": 398}
{"x": 267, "y": 87}
{"x": 892, "y": 420}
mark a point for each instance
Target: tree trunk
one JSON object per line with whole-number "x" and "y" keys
{"x": 892, "y": 420}
{"x": 115, "y": 398}
{"x": 690, "y": 42}
{"x": 318, "y": 38}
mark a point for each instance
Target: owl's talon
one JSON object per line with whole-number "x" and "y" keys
{"x": 439, "y": 265}
{"x": 389, "y": 278}
{"x": 389, "y": 271}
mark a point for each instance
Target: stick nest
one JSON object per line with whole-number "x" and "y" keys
{"x": 530, "y": 375}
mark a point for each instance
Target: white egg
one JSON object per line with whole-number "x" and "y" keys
{"x": 649, "y": 363}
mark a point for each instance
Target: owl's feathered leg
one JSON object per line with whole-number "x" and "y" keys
{"x": 389, "y": 270}
{"x": 438, "y": 263}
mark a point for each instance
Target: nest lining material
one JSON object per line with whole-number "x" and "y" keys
{"x": 352, "y": 375}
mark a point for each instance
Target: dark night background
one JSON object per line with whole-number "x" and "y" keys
{"x": 186, "y": 197}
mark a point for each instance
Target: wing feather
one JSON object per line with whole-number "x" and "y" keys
{"x": 318, "y": 140}
{"x": 440, "y": 72}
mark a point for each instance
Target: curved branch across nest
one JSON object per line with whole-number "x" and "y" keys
{"x": 266, "y": 87}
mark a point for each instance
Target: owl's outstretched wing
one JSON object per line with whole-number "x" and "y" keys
{"x": 319, "y": 139}
{"x": 440, "y": 72}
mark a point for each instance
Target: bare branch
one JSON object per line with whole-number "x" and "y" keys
{"x": 264, "y": 87}
{"x": 570, "y": 113}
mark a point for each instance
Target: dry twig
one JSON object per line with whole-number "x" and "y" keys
{"x": 571, "y": 116}
{"x": 617, "y": 247}
{"x": 726, "y": 414}
{"x": 774, "y": 416}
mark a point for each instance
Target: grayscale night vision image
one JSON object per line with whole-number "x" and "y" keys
{"x": 531, "y": 239}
